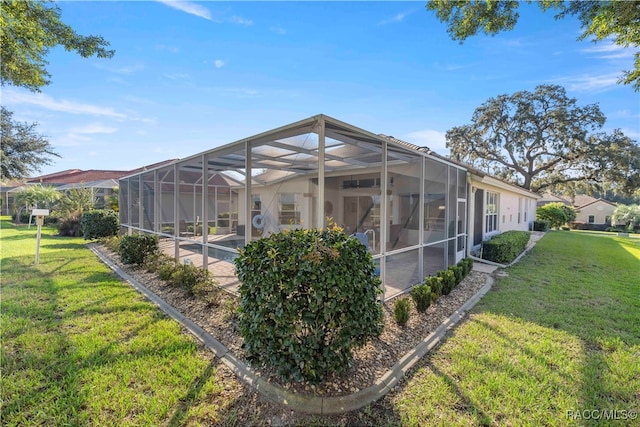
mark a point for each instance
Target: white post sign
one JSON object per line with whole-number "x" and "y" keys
{"x": 39, "y": 214}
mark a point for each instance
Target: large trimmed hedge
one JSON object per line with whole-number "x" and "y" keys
{"x": 505, "y": 247}
{"x": 307, "y": 298}
{"x": 98, "y": 223}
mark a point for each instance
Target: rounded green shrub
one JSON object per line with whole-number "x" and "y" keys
{"x": 99, "y": 223}
{"x": 467, "y": 266}
{"x": 458, "y": 273}
{"x": 307, "y": 298}
{"x": 134, "y": 249}
{"x": 448, "y": 280}
{"x": 401, "y": 311}
{"x": 435, "y": 283}
{"x": 421, "y": 295}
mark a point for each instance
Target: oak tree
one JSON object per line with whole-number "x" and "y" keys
{"x": 543, "y": 139}
{"x": 23, "y": 150}
{"x": 599, "y": 20}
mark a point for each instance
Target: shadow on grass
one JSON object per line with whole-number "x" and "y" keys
{"x": 191, "y": 395}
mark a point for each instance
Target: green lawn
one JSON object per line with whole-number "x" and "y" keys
{"x": 79, "y": 347}
{"x": 560, "y": 333}
{"x": 559, "y": 336}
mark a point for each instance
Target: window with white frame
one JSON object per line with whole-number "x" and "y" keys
{"x": 592, "y": 219}
{"x": 289, "y": 210}
{"x": 491, "y": 212}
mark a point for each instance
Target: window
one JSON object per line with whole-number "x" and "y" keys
{"x": 526, "y": 209}
{"x": 519, "y": 209}
{"x": 607, "y": 219}
{"x": 491, "y": 212}
{"x": 289, "y": 212}
{"x": 592, "y": 219}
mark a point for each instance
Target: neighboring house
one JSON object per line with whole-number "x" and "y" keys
{"x": 589, "y": 210}
{"x": 593, "y": 211}
{"x": 417, "y": 212}
{"x": 547, "y": 198}
{"x": 101, "y": 182}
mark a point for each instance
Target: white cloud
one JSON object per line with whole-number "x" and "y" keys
{"x": 399, "y": 17}
{"x": 239, "y": 20}
{"x": 93, "y": 128}
{"x": 609, "y": 50}
{"x": 279, "y": 30}
{"x": 177, "y": 76}
{"x": 590, "y": 83}
{"x": 219, "y": 63}
{"x": 82, "y": 135}
{"x": 433, "y": 139}
{"x": 189, "y": 7}
{"x": 61, "y": 105}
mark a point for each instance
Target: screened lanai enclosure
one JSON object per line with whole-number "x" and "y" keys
{"x": 405, "y": 204}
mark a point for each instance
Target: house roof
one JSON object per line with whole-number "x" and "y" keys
{"x": 103, "y": 183}
{"x": 76, "y": 176}
{"x": 548, "y": 197}
{"x": 588, "y": 201}
{"x": 79, "y": 176}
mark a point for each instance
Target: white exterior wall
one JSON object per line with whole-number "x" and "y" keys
{"x": 511, "y": 201}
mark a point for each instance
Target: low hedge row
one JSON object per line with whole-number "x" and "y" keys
{"x": 505, "y": 247}
{"x": 431, "y": 289}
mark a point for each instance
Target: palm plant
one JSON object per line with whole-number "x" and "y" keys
{"x": 70, "y": 208}
{"x": 42, "y": 196}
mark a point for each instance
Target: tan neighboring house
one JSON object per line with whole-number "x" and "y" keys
{"x": 589, "y": 210}
{"x": 593, "y": 211}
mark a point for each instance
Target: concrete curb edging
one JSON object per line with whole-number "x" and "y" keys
{"x": 307, "y": 403}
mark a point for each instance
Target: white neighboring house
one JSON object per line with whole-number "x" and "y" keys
{"x": 496, "y": 206}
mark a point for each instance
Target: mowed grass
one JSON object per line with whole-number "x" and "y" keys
{"x": 79, "y": 347}
{"x": 559, "y": 336}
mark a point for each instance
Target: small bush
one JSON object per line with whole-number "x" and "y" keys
{"x": 70, "y": 226}
{"x": 467, "y": 266}
{"x": 458, "y": 273}
{"x": 99, "y": 223}
{"x": 401, "y": 311}
{"x": 448, "y": 279}
{"x": 421, "y": 295}
{"x": 541, "y": 225}
{"x": 208, "y": 291}
{"x": 165, "y": 270}
{"x": 188, "y": 276}
{"x": 505, "y": 247}
{"x": 297, "y": 293}
{"x": 435, "y": 283}
{"x": 134, "y": 249}
{"x": 112, "y": 242}
{"x": 156, "y": 261}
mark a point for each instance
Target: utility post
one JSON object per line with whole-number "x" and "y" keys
{"x": 39, "y": 214}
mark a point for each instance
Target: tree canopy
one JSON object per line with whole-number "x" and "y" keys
{"x": 599, "y": 20}
{"x": 28, "y": 29}
{"x": 23, "y": 150}
{"x": 543, "y": 139}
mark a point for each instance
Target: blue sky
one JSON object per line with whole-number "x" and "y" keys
{"x": 191, "y": 76}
